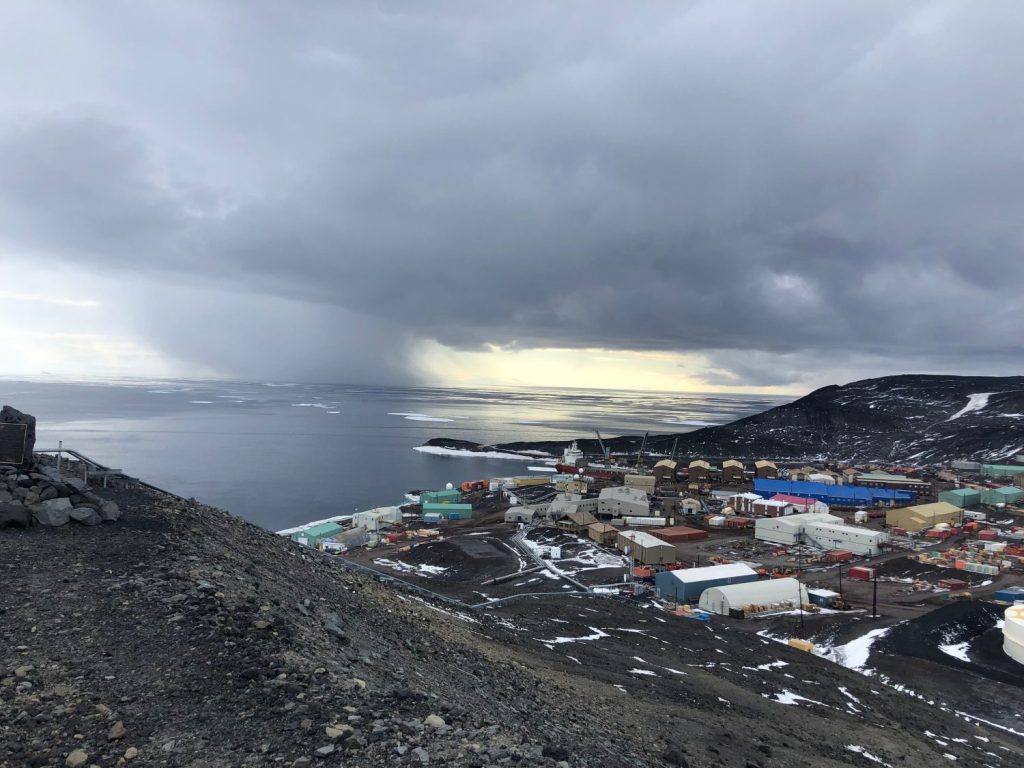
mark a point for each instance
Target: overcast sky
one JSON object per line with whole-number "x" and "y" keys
{"x": 702, "y": 195}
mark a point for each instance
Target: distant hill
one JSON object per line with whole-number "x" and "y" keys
{"x": 910, "y": 418}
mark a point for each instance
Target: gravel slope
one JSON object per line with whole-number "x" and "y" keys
{"x": 215, "y": 643}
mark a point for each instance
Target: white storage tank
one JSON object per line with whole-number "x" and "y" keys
{"x": 860, "y": 516}
{"x": 1013, "y": 632}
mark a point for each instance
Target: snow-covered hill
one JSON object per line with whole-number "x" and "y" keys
{"x": 910, "y": 418}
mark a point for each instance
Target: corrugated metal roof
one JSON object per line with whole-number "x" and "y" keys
{"x": 712, "y": 572}
{"x": 754, "y": 592}
{"x": 644, "y": 539}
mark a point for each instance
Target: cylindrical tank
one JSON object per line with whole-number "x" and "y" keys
{"x": 860, "y": 516}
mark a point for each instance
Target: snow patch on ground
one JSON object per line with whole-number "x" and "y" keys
{"x": 975, "y": 402}
{"x": 422, "y": 568}
{"x": 789, "y": 697}
{"x": 854, "y": 654}
{"x": 864, "y": 753}
{"x": 957, "y": 651}
{"x": 597, "y": 635}
{"x": 642, "y": 672}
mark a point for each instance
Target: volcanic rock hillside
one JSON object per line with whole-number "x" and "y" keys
{"x": 182, "y": 636}
{"x": 911, "y": 418}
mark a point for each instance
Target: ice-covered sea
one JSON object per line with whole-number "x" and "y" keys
{"x": 284, "y": 454}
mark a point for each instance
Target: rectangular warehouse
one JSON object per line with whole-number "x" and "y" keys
{"x": 679, "y": 533}
{"x": 1001, "y": 470}
{"x": 687, "y": 584}
{"x": 646, "y": 549}
{"x": 622, "y": 501}
{"x": 820, "y": 530}
{"x": 449, "y": 496}
{"x": 755, "y": 597}
{"x": 314, "y": 535}
{"x": 449, "y": 511}
{"x": 962, "y": 497}
{"x": 1007, "y": 495}
{"x": 922, "y": 516}
{"x": 834, "y": 495}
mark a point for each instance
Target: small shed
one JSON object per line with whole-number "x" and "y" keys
{"x": 603, "y": 533}
{"x": 824, "y": 598}
{"x": 754, "y": 597}
{"x": 687, "y": 584}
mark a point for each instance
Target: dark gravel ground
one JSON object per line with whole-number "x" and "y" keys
{"x": 183, "y": 636}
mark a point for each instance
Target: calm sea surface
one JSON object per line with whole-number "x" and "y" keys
{"x": 284, "y": 454}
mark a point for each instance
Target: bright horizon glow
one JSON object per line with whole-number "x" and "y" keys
{"x": 628, "y": 370}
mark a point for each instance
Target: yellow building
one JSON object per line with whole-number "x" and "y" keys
{"x": 922, "y": 516}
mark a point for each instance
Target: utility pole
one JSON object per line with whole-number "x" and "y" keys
{"x": 799, "y": 594}
{"x": 874, "y": 597}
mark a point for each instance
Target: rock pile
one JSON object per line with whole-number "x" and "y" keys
{"x": 38, "y": 493}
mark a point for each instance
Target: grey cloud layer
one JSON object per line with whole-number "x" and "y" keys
{"x": 817, "y": 181}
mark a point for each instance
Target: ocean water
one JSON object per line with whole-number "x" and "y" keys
{"x": 284, "y": 454}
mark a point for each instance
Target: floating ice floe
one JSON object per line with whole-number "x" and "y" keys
{"x": 419, "y": 417}
{"x": 437, "y": 450}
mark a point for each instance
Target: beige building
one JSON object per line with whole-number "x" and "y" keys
{"x": 922, "y": 516}
{"x": 646, "y": 549}
{"x": 766, "y": 470}
{"x": 699, "y": 470}
{"x": 604, "y": 534}
{"x": 576, "y": 522}
{"x": 665, "y": 471}
{"x": 643, "y": 483}
{"x": 732, "y": 471}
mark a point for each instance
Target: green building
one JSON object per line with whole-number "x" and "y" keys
{"x": 449, "y": 511}
{"x": 1007, "y": 495}
{"x": 1001, "y": 470}
{"x": 441, "y": 497}
{"x": 314, "y": 535}
{"x": 964, "y": 498}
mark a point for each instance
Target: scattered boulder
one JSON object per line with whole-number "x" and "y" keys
{"x": 54, "y": 512}
{"x": 86, "y": 515}
{"x": 15, "y": 516}
{"x": 110, "y": 511}
{"x": 76, "y": 759}
{"x": 117, "y": 731}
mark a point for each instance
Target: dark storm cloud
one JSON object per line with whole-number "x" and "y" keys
{"x": 775, "y": 185}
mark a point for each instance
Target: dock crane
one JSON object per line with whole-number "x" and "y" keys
{"x": 640, "y": 455}
{"x": 604, "y": 451}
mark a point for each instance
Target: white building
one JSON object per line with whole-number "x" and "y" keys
{"x": 769, "y": 508}
{"x": 372, "y": 519}
{"x": 755, "y": 597}
{"x": 622, "y": 502}
{"x": 820, "y": 530}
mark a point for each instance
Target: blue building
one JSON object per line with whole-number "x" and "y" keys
{"x": 835, "y": 495}
{"x": 687, "y": 584}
